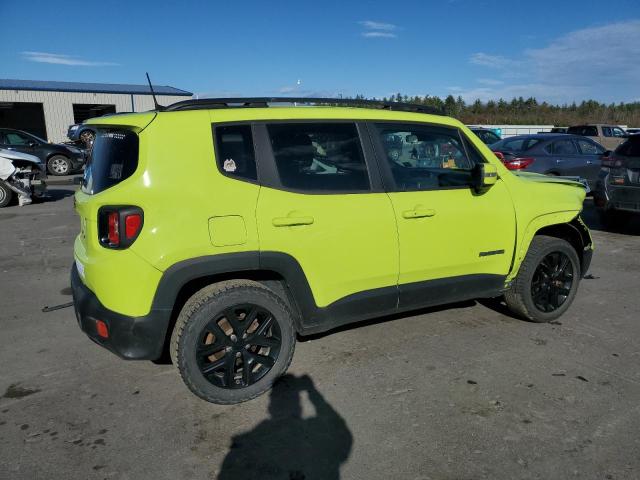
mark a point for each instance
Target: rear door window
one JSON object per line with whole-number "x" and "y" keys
{"x": 319, "y": 157}
{"x": 114, "y": 158}
{"x": 563, "y": 147}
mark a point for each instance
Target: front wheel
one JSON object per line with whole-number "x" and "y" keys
{"x": 232, "y": 340}
{"x": 547, "y": 281}
{"x": 59, "y": 165}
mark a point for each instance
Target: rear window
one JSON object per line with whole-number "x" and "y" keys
{"x": 519, "y": 144}
{"x": 584, "y": 130}
{"x": 630, "y": 148}
{"x": 114, "y": 157}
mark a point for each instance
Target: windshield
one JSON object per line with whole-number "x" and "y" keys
{"x": 114, "y": 157}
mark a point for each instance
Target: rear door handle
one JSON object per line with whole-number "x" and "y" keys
{"x": 291, "y": 221}
{"x": 418, "y": 213}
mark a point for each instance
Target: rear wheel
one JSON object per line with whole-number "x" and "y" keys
{"x": 6, "y": 195}
{"x": 232, "y": 340}
{"x": 547, "y": 281}
{"x": 59, "y": 165}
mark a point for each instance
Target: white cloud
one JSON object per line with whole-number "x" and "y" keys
{"x": 379, "y": 35}
{"x": 378, "y": 29}
{"x": 371, "y": 25}
{"x": 61, "y": 59}
{"x": 598, "y": 62}
{"x": 492, "y": 61}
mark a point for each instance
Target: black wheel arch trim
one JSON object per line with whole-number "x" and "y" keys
{"x": 310, "y": 318}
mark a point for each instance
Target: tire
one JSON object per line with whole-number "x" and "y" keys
{"x": 6, "y": 195}
{"x": 87, "y": 137}
{"x": 59, "y": 165}
{"x": 534, "y": 276}
{"x": 220, "y": 375}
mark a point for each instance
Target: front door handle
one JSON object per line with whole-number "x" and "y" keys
{"x": 418, "y": 212}
{"x": 291, "y": 221}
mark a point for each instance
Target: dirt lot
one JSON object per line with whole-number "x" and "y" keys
{"x": 463, "y": 392}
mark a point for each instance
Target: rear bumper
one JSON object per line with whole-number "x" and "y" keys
{"x": 132, "y": 338}
{"x": 618, "y": 197}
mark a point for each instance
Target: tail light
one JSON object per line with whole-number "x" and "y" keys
{"x": 500, "y": 155}
{"x": 518, "y": 163}
{"x": 611, "y": 161}
{"x": 119, "y": 226}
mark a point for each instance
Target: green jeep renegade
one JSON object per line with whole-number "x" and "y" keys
{"x": 219, "y": 229}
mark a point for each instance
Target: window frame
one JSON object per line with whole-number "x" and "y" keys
{"x": 216, "y": 152}
{"x": 267, "y": 166}
{"x": 385, "y": 168}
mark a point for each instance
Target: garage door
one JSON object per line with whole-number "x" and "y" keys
{"x": 23, "y": 116}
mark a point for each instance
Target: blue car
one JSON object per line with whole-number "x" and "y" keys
{"x": 552, "y": 154}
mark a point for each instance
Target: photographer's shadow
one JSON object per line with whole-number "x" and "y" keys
{"x": 287, "y": 446}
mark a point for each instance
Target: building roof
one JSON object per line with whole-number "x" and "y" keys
{"x": 47, "y": 86}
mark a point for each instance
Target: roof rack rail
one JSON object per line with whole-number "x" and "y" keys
{"x": 262, "y": 102}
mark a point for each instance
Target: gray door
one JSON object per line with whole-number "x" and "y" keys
{"x": 565, "y": 159}
{"x": 592, "y": 153}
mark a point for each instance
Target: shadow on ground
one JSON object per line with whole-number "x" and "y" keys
{"x": 288, "y": 446}
{"x": 630, "y": 225}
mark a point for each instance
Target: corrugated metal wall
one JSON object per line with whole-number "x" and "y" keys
{"x": 58, "y": 106}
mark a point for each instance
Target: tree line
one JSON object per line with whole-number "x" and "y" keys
{"x": 521, "y": 111}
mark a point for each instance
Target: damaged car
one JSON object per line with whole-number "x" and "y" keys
{"x": 22, "y": 176}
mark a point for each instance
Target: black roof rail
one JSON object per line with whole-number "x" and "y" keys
{"x": 262, "y": 102}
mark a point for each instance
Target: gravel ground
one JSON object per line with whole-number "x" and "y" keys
{"x": 462, "y": 392}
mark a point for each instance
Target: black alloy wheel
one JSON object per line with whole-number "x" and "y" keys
{"x": 552, "y": 282}
{"x": 239, "y": 346}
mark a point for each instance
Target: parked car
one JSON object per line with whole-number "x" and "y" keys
{"x": 487, "y": 135}
{"x": 609, "y": 136}
{"x": 81, "y": 133}
{"x": 301, "y": 219}
{"x": 60, "y": 159}
{"x": 552, "y": 154}
{"x": 559, "y": 130}
{"x": 617, "y": 191}
{"x": 21, "y": 175}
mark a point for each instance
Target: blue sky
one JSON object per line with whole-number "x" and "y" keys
{"x": 559, "y": 51}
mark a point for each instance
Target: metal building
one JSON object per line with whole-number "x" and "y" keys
{"x": 46, "y": 109}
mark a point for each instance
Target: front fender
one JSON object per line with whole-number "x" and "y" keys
{"x": 569, "y": 218}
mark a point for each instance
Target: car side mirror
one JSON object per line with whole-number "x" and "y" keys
{"x": 484, "y": 175}
{"x": 32, "y": 144}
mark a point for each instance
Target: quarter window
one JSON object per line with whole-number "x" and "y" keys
{"x": 319, "y": 157}
{"x": 426, "y": 158}
{"x": 234, "y": 151}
